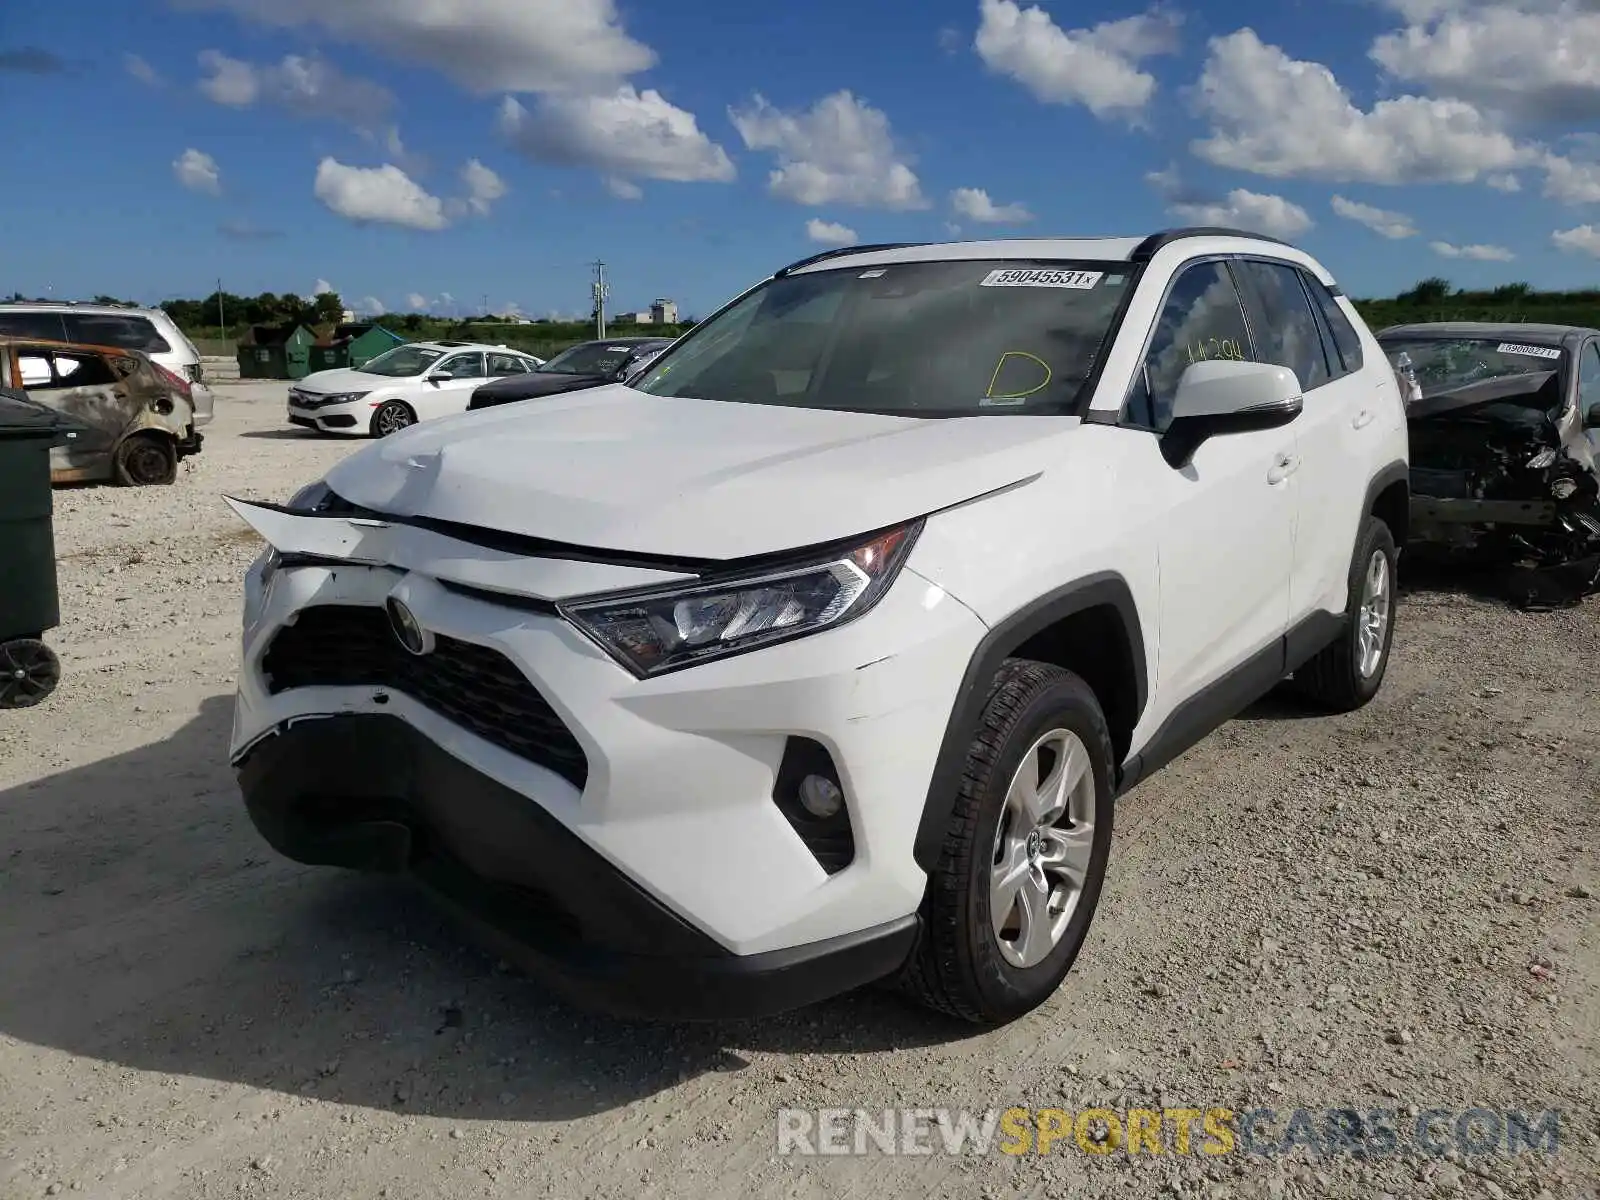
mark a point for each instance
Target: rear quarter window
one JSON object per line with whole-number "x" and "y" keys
{"x": 126, "y": 333}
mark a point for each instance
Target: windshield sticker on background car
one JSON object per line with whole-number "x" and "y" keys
{"x": 1041, "y": 278}
{"x": 876, "y": 273}
{"x": 1530, "y": 351}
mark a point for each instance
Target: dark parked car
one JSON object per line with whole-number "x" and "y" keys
{"x": 1505, "y": 449}
{"x": 586, "y": 365}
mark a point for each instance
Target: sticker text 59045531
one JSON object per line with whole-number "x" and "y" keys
{"x": 1041, "y": 277}
{"x": 1530, "y": 351}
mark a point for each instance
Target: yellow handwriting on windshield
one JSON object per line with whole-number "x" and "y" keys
{"x": 991, "y": 394}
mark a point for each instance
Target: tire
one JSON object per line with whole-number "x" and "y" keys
{"x": 145, "y": 460}
{"x": 29, "y": 671}
{"x": 1343, "y": 676}
{"x": 967, "y": 963}
{"x": 391, "y": 417}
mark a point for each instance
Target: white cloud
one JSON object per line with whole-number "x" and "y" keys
{"x": 380, "y": 195}
{"x": 141, "y": 70}
{"x": 369, "y": 306}
{"x": 1539, "y": 59}
{"x": 626, "y": 132}
{"x": 1479, "y": 252}
{"x": 321, "y": 288}
{"x": 1571, "y": 181}
{"x": 974, "y": 204}
{"x": 1280, "y": 117}
{"x": 1097, "y": 68}
{"x": 830, "y": 233}
{"x": 486, "y": 46}
{"x": 1584, "y": 239}
{"x": 840, "y": 151}
{"x": 1379, "y": 220}
{"x": 623, "y": 189}
{"x": 198, "y": 172}
{"x": 483, "y": 186}
{"x": 1506, "y": 182}
{"x": 1242, "y": 209}
{"x": 416, "y": 302}
{"x": 309, "y": 87}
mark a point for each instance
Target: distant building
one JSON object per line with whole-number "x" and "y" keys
{"x": 664, "y": 312}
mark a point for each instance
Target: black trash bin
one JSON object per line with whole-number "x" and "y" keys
{"x": 29, "y": 604}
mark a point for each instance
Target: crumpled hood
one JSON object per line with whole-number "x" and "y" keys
{"x": 613, "y": 469}
{"x": 1462, "y": 397}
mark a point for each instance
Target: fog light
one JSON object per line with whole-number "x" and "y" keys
{"x": 821, "y": 797}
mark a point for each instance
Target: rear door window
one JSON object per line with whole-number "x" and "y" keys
{"x": 55, "y": 370}
{"x": 1286, "y": 330}
{"x": 108, "y": 329}
{"x": 1345, "y": 337}
{"x": 501, "y": 365}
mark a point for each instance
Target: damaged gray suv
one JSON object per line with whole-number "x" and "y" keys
{"x": 1504, "y": 423}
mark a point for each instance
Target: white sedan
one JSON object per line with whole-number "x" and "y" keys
{"x": 411, "y": 383}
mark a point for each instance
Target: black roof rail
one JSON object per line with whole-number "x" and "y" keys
{"x": 1146, "y": 250}
{"x": 841, "y": 251}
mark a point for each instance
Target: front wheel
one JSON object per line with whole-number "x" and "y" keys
{"x": 1350, "y": 670}
{"x": 391, "y": 417}
{"x": 1020, "y": 872}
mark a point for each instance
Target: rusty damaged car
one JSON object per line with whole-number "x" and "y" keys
{"x": 1505, "y": 451}
{"x": 135, "y": 417}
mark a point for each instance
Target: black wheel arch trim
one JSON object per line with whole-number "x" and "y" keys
{"x": 1106, "y": 588}
{"x": 1385, "y": 478}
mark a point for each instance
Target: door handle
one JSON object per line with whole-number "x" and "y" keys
{"x": 1283, "y": 468}
{"x": 1363, "y": 418}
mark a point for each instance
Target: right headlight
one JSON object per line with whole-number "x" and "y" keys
{"x": 660, "y": 630}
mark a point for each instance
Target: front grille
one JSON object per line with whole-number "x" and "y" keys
{"x": 475, "y": 687}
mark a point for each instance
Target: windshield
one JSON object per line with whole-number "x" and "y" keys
{"x": 1444, "y": 364}
{"x": 401, "y": 362}
{"x": 921, "y": 339}
{"x": 590, "y": 358}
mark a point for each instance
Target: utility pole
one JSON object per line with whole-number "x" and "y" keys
{"x": 222, "y": 321}
{"x": 601, "y": 291}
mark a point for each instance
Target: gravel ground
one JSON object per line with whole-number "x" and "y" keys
{"x": 1395, "y": 909}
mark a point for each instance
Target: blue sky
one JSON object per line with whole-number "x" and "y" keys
{"x": 413, "y": 153}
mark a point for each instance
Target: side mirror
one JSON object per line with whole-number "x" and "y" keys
{"x": 1224, "y": 396}
{"x": 439, "y": 377}
{"x": 1592, "y": 418}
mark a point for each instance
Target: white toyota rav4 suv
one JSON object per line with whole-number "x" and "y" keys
{"x": 818, "y": 652}
{"x": 414, "y": 382}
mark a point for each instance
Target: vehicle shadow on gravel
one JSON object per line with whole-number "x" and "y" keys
{"x": 286, "y": 435}
{"x": 146, "y": 925}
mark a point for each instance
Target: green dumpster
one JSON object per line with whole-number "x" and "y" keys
{"x": 29, "y": 604}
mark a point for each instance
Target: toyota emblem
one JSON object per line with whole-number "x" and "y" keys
{"x": 408, "y": 631}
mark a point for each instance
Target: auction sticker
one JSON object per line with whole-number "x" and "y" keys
{"x": 1530, "y": 351}
{"x": 1041, "y": 277}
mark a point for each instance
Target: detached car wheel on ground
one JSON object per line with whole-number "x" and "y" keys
{"x": 795, "y": 662}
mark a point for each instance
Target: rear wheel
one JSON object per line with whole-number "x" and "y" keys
{"x": 391, "y": 417}
{"x": 144, "y": 460}
{"x": 1020, "y": 872}
{"x": 1349, "y": 672}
